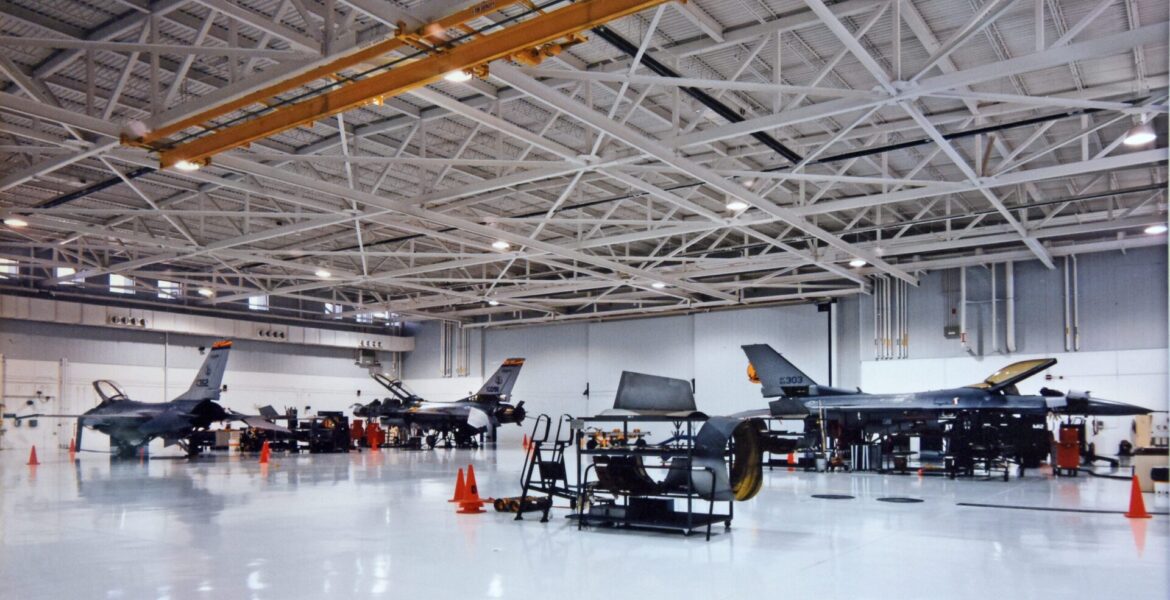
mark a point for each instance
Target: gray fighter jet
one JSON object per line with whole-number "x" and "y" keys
{"x": 132, "y": 424}
{"x": 455, "y": 422}
{"x": 1017, "y": 422}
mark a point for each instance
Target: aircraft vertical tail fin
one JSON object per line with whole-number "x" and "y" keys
{"x": 499, "y": 385}
{"x": 209, "y": 379}
{"x": 778, "y": 376}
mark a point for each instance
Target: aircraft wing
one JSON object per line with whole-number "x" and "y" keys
{"x": 64, "y": 416}
{"x": 39, "y": 415}
{"x": 257, "y": 422}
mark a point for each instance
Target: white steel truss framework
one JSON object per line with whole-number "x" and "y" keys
{"x": 713, "y": 154}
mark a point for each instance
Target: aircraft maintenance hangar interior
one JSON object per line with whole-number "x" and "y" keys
{"x": 841, "y": 299}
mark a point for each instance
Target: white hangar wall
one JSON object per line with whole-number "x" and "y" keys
{"x": 1123, "y": 352}
{"x": 61, "y": 361}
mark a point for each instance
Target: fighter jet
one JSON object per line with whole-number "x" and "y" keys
{"x": 849, "y": 416}
{"x": 455, "y": 422}
{"x": 132, "y": 424}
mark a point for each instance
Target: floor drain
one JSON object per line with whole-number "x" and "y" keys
{"x": 833, "y": 496}
{"x": 900, "y": 500}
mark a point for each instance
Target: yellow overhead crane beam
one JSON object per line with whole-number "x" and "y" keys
{"x": 525, "y": 42}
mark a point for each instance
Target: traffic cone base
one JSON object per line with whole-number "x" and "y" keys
{"x": 1137, "y": 504}
{"x": 32, "y": 457}
{"x": 460, "y": 488}
{"x": 471, "y": 503}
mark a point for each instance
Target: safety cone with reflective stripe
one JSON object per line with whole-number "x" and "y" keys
{"x": 1137, "y": 505}
{"x": 460, "y": 488}
{"x": 32, "y": 457}
{"x": 471, "y": 503}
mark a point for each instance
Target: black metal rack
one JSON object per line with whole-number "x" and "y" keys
{"x": 623, "y": 494}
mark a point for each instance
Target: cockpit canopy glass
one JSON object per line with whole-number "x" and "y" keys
{"x": 1014, "y": 373}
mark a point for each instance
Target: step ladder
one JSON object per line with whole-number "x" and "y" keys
{"x": 544, "y": 467}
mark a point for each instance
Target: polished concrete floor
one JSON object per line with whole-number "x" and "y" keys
{"x": 378, "y": 525}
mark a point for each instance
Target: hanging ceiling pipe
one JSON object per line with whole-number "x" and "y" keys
{"x": 729, "y": 114}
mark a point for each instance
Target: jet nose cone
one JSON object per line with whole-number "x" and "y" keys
{"x": 1105, "y": 408}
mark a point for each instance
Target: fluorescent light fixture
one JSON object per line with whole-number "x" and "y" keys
{"x": 188, "y": 165}
{"x": 749, "y": 183}
{"x": 206, "y": 292}
{"x": 15, "y": 222}
{"x": 458, "y": 76}
{"x": 737, "y": 206}
{"x": 658, "y": 285}
{"x": 1140, "y": 134}
{"x": 493, "y": 302}
{"x": 1156, "y": 229}
{"x": 857, "y": 262}
{"x": 323, "y": 274}
{"x": 501, "y": 245}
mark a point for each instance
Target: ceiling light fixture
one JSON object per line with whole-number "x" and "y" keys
{"x": 658, "y": 285}
{"x": 323, "y": 274}
{"x": 188, "y": 165}
{"x": 457, "y": 76}
{"x": 493, "y": 302}
{"x": 15, "y": 222}
{"x": 737, "y": 206}
{"x": 857, "y": 263}
{"x": 501, "y": 245}
{"x": 1156, "y": 229}
{"x": 206, "y": 292}
{"x": 1140, "y": 134}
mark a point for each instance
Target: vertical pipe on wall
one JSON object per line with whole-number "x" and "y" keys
{"x": 963, "y": 308}
{"x": 905, "y": 319}
{"x": 890, "y": 321}
{"x": 1067, "y": 309}
{"x": 886, "y": 318}
{"x": 1076, "y": 306}
{"x": 994, "y": 314}
{"x": 166, "y": 366}
{"x": 1009, "y": 307}
{"x": 875, "y": 297}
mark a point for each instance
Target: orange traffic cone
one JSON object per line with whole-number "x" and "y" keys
{"x": 525, "y": 444}
{"x": 72, "y": 448}
{"x": 460, "y": 488}
{"x": 471, "y": 503}
{"x": 264, "y": 452}
{"x": 1137, "y": 505}
{"x": 32, "y": 457}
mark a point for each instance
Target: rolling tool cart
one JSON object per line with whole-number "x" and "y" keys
{"x": 1068, "y": 449}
